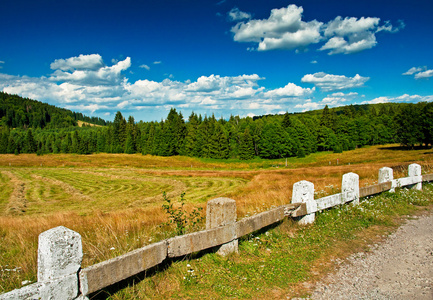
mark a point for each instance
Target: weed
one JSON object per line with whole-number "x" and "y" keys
{"x": 177, "y": 216}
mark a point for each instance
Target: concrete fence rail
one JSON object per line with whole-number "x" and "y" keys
{"x": 60, "y": 249}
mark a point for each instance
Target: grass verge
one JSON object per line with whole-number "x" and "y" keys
{"x": 283, "y": 261}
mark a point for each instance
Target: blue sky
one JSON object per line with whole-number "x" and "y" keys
{"x": 223, "y": 57}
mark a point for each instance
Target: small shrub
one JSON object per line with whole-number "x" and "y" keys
{"x": 183, "y": 220}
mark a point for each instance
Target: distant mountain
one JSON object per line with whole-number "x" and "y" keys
{"x": 18, "y": 112}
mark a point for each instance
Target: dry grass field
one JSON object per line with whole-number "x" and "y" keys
{"x": 114, "y": 200}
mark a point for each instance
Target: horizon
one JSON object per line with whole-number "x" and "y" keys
{"x": 246, "y": 58}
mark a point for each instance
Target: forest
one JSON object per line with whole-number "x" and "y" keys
{"x": 30, "y": 126}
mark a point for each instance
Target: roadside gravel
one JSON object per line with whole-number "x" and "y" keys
{"x": 401, "y": 267}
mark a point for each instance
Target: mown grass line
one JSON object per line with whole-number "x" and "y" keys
{"x": 283, "y": 261}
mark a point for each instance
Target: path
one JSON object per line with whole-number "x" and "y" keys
{"x": 399, "y": 268}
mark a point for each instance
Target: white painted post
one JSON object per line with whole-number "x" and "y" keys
{"x": 415, "y": 172}
{"x": 350, "y": 188}
{"x": 221, "y": 212}
{"x": 303, "y": 191}
{"x": 385, "y": 175}
{"x": 59, "y": 259}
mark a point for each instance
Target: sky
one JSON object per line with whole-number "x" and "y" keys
{"x": 222, "y": 57}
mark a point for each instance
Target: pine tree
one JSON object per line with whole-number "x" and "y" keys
{"x": 286, "y": 121}
{"x": 246, "y": 147}
{"x": 218, "y": 142}
{"x": 30, "y": 145}
{"x": 190, "y": 140}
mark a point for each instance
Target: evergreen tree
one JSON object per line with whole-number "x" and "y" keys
{"x": 189, "y": 147}
{"x": 286, "y": 121}
{"x": 218, "y": 143}
{"x": 30, "y": 145}
{"x": 246, "y": 147}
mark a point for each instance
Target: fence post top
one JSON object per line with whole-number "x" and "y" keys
{"x": 414, "y": 170}
{"x": 58, "y": 229}
{"x": 221, "y": 200}
{"x": 385, "y": 168}
{"x": 304, "y": 183}
{"x": 351, "y": 174}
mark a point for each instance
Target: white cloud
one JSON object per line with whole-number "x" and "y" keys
{"x": 236, "y": 15}
{"x": 348, "y": 26}
{"x": 157, "y": 62}
{"x": 308, "y": 105}
{"x": 144, "y": 67}
{"x": 414, "y": 70}
{"x": 419, "y": 72}
{"x": 424, "y": 74}
{"x": 356, "y": 43}
{"x": 329, "y": 82}
{"x": 338, "y": 99}
{"x": 290, "y": 90}
{"x": 74, "y": 70}
{"x": 83, "y": 62}
{"x": 1, "y": 63}
{"x": 402, "y": 98}
{"x": 307, "y": 34}
{"x": 350, "y": 35}
{"x": 285, "y": 29}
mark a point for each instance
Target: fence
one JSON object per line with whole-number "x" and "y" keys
{"x": 60, "y": 251}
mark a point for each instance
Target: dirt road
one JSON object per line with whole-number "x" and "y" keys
{"x": 401, "y": 267}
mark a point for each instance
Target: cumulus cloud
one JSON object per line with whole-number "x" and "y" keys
{"x": 83, "y": 62}
{"x": 402, "y": 98}
{"x": 351, "y": 35}
{"x": 414, "y": 70}
{"x": 285, "y": 29}
{"x": 290, "y": 90}
{"x": 424, "y": 74}
{"x": 419, "y": 72}
{"x": 338, "y": 99}
{"x": 308, "y": 105}
{"x": 329, "y": 82}
{"x": 355, "y": 43}
{"x": 88, "y": 70}
{"x": 236, "y": 15}
{"x": 144, "y": 67}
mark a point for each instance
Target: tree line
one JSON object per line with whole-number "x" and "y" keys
{"x": 270, "y": 137}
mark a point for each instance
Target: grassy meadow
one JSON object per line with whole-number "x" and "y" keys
{"x": 114, "y": 201}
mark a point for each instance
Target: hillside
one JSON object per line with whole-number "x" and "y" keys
{"x": 18, "y": 112}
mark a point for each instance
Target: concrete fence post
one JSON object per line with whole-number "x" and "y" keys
{"x": 59, "y": 259}
{"x": 303, "y": 191}
{"x": 350, "y": 188}
{"x": 414, "y": 170}
{"x": 385, "y": 175}
{"x": 221, "y": 212}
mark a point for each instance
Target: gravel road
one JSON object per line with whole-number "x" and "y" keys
{"x": 401, "y": 267}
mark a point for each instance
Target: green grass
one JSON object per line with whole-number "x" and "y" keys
{"x": 273, "y": 263}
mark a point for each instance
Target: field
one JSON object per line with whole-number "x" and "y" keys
{"x": 114, "y": 200}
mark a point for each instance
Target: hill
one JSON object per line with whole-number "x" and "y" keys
{"x": 18, "y": 112}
